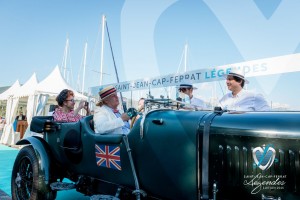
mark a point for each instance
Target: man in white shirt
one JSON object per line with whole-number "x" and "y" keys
{"x": 187, "y": 89}
{"x": 107, "y": 118}
{"x": 240, "y": 99}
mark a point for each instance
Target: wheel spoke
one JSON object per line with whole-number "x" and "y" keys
{"x": 25, "y": 173}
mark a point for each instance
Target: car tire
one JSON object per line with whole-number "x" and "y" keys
{"x": 25, "y": 182}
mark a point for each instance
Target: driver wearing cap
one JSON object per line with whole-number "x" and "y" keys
{"x": 107, "y": 118}
{"x": 195, "y": 102}
{"x": 240, "y": 99}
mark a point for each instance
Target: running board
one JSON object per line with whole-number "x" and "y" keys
{"x": 103, "y": 197}
{"x": 59, "y": 186}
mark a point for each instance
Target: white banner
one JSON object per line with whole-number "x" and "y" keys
{"x": 261, "y": 67}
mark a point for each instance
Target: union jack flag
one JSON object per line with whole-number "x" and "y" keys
{"x": 108, "y": 156}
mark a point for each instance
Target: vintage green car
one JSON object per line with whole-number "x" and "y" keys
{"x": 170, "y": 153}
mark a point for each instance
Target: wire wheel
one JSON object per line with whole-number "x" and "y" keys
{"x": 25, "y": 182}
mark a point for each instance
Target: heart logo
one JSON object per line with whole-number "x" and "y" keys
{"x": 264, "y": 157}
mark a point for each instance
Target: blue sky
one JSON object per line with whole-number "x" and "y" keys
{"x": 148, "y": 38}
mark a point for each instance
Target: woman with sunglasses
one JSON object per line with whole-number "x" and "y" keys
{"x": 65, "y": 112}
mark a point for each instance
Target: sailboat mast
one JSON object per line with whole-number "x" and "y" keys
{"x": 65, "y": 57}
{"x": 185, "y": 56}
{"x": 102, "y": 49}
{"x": 184, "y": 60}
{"x": 84, "y": 64}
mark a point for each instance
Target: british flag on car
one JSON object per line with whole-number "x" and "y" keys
{"x": 108, "y": 156}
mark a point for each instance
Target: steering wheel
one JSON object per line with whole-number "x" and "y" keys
{"x": 132, "y": 112}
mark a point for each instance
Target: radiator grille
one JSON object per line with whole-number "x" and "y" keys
{"x": 232, "y": 167}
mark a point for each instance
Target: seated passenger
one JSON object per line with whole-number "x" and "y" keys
{"x": 193, "y": 101}
{"x": 107, "y": 118}
{"x": 141, "y": 107}
{"x": 240, "y": 99}
{"x": 65, "y": 112}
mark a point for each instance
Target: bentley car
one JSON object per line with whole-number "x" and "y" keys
{"x": 170, "y": 153}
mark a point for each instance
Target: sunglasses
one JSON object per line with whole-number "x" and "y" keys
{"x": 72, "y": 100}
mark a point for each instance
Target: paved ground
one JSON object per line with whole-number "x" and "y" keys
{"x": 4, "y": 196}
{"x": 7, "y": 157}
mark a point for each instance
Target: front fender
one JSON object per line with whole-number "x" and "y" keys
{"x": 43, "y": 154}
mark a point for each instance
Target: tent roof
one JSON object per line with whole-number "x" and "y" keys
{"x": 10, "y": 91}
{"x": 54, "y": 83}
{"x": 28, "y": 88}
{"x": 3, "y": 89}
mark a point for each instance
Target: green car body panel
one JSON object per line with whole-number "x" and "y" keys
{"x": 181, "y": 154}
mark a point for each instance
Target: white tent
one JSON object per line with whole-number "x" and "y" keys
{"x": 54, "y": 83}
{"x": 10, "y": 91}
{"x": 9, "y": 136}
{"x": 28, "y": 88}
{"x": 11, "y": 107}
{"x": 51, "y": 86}
{"x": 38, "y": 95}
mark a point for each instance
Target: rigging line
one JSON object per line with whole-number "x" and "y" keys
{"x": 179, "y": 66}
{"x": 99, "y": 72}
{"x": 112, "y": 53}
{"x": 177, "y": 71}
{"x": 223, "y": 95}
{"x": 71, "y": 81}
{"x": 92, "y": 59}
{"x": 78, "y": 74}
{"x": 82, "y": 69}
{"x": 221, "y": 88}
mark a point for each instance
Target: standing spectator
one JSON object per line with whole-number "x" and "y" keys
{"x": 21, "y": 116}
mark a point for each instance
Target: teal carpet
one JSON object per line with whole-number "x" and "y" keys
{"x": 7, "y": 158}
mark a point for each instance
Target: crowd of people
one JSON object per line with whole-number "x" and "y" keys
{"x": 108, "y": 119}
